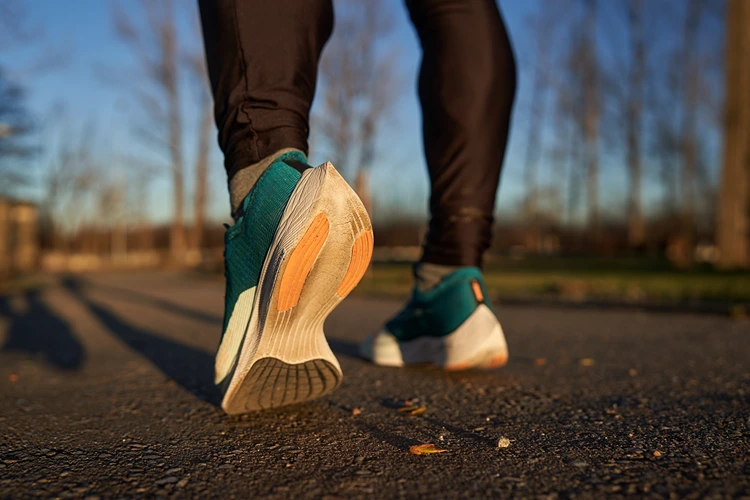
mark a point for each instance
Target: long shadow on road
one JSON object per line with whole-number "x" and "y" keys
{"x": 36, "y": 330}
{"x": 139, "y": 298}
{"x": 189, "y": 367}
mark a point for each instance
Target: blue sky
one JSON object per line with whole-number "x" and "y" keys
{"x": 82, "y": 30}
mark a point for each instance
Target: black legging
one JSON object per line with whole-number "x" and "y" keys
{"x": 263, "y": 60}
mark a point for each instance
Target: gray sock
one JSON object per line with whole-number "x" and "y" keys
{"x": 244, "y": 180}
{"x": 427, "y": 276}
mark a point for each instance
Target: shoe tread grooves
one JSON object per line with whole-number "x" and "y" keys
{"x": 272, "y": 383}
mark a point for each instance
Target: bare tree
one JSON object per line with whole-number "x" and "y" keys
{"x": 155, "y": 46}
{"x": 733, "y": 224}
{"x": 15, "y": 121}
{"x": 16, "y": 128}
{"x": 359, "y": 76}
{"x": 664, "y": 143}
{"x": 196, "y": 64}
{"x": 201, "y": 170}
{"x": 689, "y": 140}
{"x": 578, "y": 104}
{"x": 71, "y": 180}
{"x": 566, "y": 150}
{"x": 591, "y": 114}
{"x": 543, "y": 27}
{"x": 571, "y": 111}
{"x": 636, "y": 226}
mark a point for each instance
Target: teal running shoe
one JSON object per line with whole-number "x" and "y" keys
{"x": 302, "y": 243}
{"x": 451, "y": 326}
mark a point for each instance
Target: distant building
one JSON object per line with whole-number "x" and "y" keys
{"x": 19, "y": 246}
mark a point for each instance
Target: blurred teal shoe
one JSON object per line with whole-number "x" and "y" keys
{"x": 302, "y": 243}
{"x": 452, "y": 326}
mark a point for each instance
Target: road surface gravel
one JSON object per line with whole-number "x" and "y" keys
{"x": 106, "y": 392}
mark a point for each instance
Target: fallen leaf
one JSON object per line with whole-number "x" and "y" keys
{"x": 657, "y": 453}
{"x": 356, "y": 411}
{"x": 13, "y": 377}
{"x": 587, "y": 362}
{"x": 503, "y": 442}
{"x": 414, "y": 411}
{"x": 425, "y": 449}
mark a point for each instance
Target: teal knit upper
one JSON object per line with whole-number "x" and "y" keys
{"x": 248, "y": 240}
{"x": 441, "y": 310}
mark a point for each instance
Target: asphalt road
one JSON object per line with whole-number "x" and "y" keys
{"x": 105, "y": 391}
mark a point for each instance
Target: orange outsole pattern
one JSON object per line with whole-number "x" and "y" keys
{"x": 361, "y": 255}
{"x": 301, "y": 261}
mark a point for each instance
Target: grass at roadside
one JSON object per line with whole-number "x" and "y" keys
{"x": 634, "y": 281}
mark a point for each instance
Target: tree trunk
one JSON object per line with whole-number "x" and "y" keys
{"x": 688, "y": 143}
{"x": 636, "y": 229}
{"x": 5, "y": 252}
{"x": 734, "y": 195}
{"x": 591, "y": 120}
{"x": 362, "y": 188}
{"x": 533, "y": 151}
{"x": 171, "y": 86}
{"x": 201, "y": 173}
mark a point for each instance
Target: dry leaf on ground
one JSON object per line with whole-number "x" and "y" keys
{"x": 425, "y": 449}
{"x": 412, "y": 410}
{"x": 356, "y": 411}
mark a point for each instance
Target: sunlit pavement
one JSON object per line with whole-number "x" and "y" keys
{"x": 105, "y": 391}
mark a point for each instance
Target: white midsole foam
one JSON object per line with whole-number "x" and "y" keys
{"x": 478, "y": 340}
{"x": 232, "y": 339}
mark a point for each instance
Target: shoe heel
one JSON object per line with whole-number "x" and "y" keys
{"x": 321, "y": 251}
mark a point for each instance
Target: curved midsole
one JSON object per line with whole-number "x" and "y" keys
{"x": 478, "y": 339}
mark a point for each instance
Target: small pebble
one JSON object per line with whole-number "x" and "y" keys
{"x": 503, "y": 442}
{"x": 657, "y": 453}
